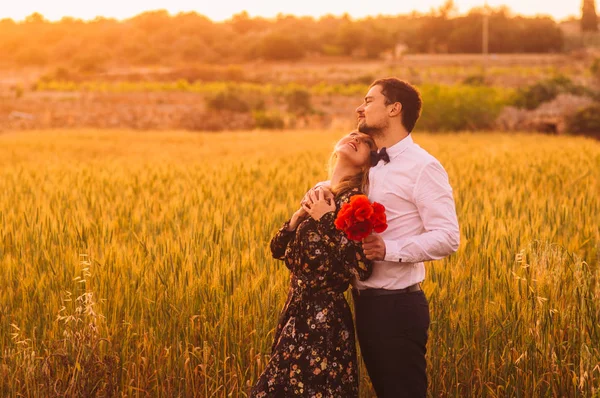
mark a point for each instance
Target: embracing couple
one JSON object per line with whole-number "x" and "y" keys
{"x": 314, "y": 352}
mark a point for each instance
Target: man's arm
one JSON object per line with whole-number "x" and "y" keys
{"x": 434, "y": 200}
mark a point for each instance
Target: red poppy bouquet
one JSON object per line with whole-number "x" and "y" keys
{"x": 359, "y": 217}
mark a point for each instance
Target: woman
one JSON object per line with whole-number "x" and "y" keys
{"x": 314, "y": 352}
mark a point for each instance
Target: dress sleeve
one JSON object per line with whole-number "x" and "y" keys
{"x": 280, "y": 241}
{"x": 349, "y": 251}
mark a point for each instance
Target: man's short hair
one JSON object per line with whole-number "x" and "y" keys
{"x": 396, "y": 90}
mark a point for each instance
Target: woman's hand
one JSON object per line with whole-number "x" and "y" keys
{"x": 317, "y": 205}
{"x": 322, "y": 189}
{"x": 299, "y": 216}
{"x": 301, "y": 213}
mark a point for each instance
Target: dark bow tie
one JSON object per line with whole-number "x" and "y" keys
{"x": 381, "y": 155}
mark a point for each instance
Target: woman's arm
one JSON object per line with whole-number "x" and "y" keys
{"x": 350, "y": 252}
{"x": 336, "y": 243}
{"x": 285, "y": 234}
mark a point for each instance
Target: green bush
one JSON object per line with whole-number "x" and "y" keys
{"x": 236, "y": 99}
{"x": 60, "y": 74}
{"x": 209, "y": 73}
{"x": 595, "y": 68}
{"x": 280, "y": 48}
{"x": 362, "y": 79}
{"x": 475, "y": 80}
{"x": 268, "y": 119}
{"x": 586, "y": 121}
{"x": 19, "y": 91}
{"x": 227, "y": 100}
{"x": 532, "y": 96}
{"x": 234, "y": 73}
{"x": 460, "y": 107}
{"x": 332, "y": 50}
{"x": 299, "y": 101}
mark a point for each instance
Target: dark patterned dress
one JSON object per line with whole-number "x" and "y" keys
{"x": 314, "y": 353}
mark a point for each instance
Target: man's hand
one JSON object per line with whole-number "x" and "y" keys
{"x": 374, "y": 247}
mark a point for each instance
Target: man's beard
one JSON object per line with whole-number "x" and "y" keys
{"x": 372, "y": 131}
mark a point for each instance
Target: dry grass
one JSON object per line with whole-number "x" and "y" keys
{"x": 136, "y": 264}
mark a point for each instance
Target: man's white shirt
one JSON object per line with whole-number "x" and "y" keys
{"x": 421, "y": 215}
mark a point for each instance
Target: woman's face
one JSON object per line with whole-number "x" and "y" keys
{"x": 357, "y": 148}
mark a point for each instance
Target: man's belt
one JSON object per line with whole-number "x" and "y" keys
{"x": 386, "y": 292}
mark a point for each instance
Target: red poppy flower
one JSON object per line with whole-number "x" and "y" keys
{"x": 359, "y": 231}
{"x": 378, "y": 208}
{"x": 363, "y": 213}
{"x": 378, "y": 219}
{"x": 359, "y": 217}
{"x": 344, "y": 218}
{"x": 379, "y": 226}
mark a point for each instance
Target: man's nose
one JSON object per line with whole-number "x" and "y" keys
{"x": 359, "y": 109}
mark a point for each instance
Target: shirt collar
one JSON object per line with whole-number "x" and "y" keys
{"x": 400, "y": 146}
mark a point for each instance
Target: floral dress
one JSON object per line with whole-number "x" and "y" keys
{"x": 314, "y": 352}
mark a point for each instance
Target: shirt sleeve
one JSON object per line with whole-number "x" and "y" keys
{"x": 435, "y": 203}
{"x": 325, "y": 183}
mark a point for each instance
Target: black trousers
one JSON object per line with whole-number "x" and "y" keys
{"x": 392, "y": 332}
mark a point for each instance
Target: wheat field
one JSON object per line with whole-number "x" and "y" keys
{"x": 137, "y": 263}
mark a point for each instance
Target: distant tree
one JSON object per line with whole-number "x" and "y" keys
{"x": 277, "y": 47}
{"x": 432, "y": 36}
{"x": 589, "y": 19}
{"x": 156, "y": 37}
{"x": 349, "y": 37}
{"x": 465, "y": 37}
{"x": 7, "y": 22}
{"x": 151, "y": 21}
{"x": 541, "y": 34}
{"x": 35, "y": 18}
{"x": 241, "y": 22}
{"x": 507, "y": 33}
{"x": 32, "y": 55}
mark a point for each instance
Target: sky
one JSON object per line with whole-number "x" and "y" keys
{"x": 219, "y": 10}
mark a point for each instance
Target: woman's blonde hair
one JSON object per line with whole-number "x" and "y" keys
{"x": 359, "y": 180}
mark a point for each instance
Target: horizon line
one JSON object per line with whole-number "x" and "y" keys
{"x": 280, "y": 14}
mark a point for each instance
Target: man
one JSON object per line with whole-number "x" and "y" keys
{"x": 392, "y": 313}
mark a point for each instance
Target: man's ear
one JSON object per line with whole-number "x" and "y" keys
{"x": 396, "y": 109}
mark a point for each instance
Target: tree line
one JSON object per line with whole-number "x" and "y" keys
{"x": 158, "y": 38}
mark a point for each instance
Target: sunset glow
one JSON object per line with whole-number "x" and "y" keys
{"x": 224, "y": 9}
